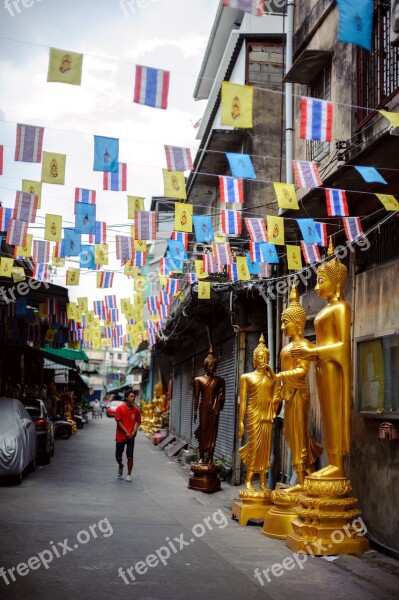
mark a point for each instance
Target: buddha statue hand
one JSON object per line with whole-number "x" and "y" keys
{"x": 304, "y": 352}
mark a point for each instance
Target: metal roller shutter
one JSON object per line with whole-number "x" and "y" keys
{"x": 186, "y": 400}
{"x": 227, "y": 369}
{"x": 175, "y": 407}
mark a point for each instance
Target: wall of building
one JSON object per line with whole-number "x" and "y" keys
{"x": 374, "y": 466}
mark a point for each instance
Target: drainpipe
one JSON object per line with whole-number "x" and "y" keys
{"x": 289, "y": 120}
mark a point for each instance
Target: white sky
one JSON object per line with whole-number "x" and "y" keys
{"x": 166, "y": 34}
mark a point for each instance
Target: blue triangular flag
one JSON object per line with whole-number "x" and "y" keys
{"x": 253, "y": 266}
{"x": 355, "y": 22}
{"x": 203, "y": 228}
{"x": 106, "y": 154}
{"x": 309, "y": 231}
{"x": 370, "y": 174}
{"x": 72, "y": 245}
{"x": 177, "y": 250}
{"x": 87, "y": 258}
{"x": 240, "y": 165}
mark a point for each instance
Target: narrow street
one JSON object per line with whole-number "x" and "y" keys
{"x": 181, "y": 544}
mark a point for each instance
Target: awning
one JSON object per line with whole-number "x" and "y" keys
{"x": 64, "y": 356}
{"x": 307, "y": 66}
{"x": 120, "y": 388}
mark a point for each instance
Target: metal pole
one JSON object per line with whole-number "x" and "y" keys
{"x": 289, "y": 119}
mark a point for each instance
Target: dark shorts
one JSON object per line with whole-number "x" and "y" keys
{"x": 120, "y": 446}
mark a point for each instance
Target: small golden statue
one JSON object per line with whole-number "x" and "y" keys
{"x": 259, "y": 403}
{"x": 211, "y": 389}
{"x": 326, "y": 505}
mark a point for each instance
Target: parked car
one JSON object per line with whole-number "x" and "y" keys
{"x": 44, "y": 427}
{"x": 112, "y": 406}
{"x": 18, "y": 440}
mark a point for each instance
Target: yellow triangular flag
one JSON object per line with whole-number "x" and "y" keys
{"x": 294, "y": 257}
{"x": 242, "y": 268}
{"x": 393, "y": 118}
{"x": 140, "y": 245}
{"x": 18, "y": 274}
{"x": 72, "y": 276}
{"x": 25, "y": 251}
{"x": 237, "y": 101}
{"x": 71, "y": 311}
{"x": 220, "y": 239}
{"x": 56, "y": 261}
{"x": 33, "y": 187}
{"x": 174, "y": 185}
{"x": 65, "y": 67}
{"x": 140, "y": 283}
{"x": 199, "y": 270}
{"x": 6, "y": 265}
{"x": 125, "y": 305}
{"x": 129, "y": 269}
{"x": 388, "y": 201}
{"x": 275, "y": 229}
{"x": 53, "y": 228}
{"x": 90, "y": 318}
{"x": 83, "y": 304}
{"x": 101, "y": 254}
{"x": 138, "y": 299}
{"x": 50, "y": 335}
{"x": 134, "y": 203}
{"x": 286, "y": 196}
{"x": 204, "y": 290}
{"x": 183, "y": 217}
{"x": 53, "y": 168}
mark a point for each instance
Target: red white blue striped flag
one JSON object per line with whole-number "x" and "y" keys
{"x": 153, "y": 305}
{"x": 140, "y": 259}
{"x": 209, "y": 264}
{"x": 164, "y": 311}
{"x": 124, "y": 247}
{"x": 29, "y": 143}
{"x": 336, "y": 203}
{"x": 5, "y": 216}
{"x": 180, "y": 236}
{"x": 116, "y": 182}
{"x": 321, "y": 229}
{"x": 256, "y": 229}
{"x": 310, "y": 252}
{"x": 178, "y": 159}
{"x": 41, "y": 251}
{"x": 353, "y": 228}
{"x": 110, "y": 302}
{"x": 191, "y": 278}
{"x": 164, "y": 297}
{"x": 52, "y": 306}
{"x": 41, "y": 272}
{"x": 172, "y": 286}
{"x": 231, "y": 189}
{"x": 231, "y": 222}
{"x": 316, "y": 119}
{"x": 254, "y": 7}
{"x": 105, "y": 279}
{"x": 100, "y": 237}
{"x": 25, "y": 207}
{"x": 255, "y": 251}
{"x": 151, "y": 87}
{"x": 99, "y": 308}
{"x": 306, "y": 174}
{"x": 145, "y": 225}
{"x": 17, "y": 231}
{"x": 113, "y": 315}
{"x": 232, "y": 271}
{"x": 222, "y": 254}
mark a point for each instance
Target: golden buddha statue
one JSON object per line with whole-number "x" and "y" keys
{"x": 159, "y": 399}
{"x": 260, "y": 410}
{"x": 211, "y": 389}
{"x": 332, "y": 356}
{"x": 295, "y": 391}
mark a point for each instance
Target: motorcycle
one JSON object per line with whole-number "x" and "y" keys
{"x": 62, "y": 427}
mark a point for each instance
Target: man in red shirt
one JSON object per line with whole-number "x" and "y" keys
{"x": 128, "y": 419}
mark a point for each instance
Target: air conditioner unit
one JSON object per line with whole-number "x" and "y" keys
{"x": 394, "y": 23}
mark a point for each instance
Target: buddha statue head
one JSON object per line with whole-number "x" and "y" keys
{"x": 261, "y": 353}
{"x": 331, "y": 276}
{"x": 210, "y": 362}
{"x": 294, "y": 316}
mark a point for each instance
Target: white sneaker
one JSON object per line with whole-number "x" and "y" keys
{"x": 128, "y": 478}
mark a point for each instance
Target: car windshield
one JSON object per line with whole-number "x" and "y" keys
{"x": 34, "y": 411}
{"x": 116, "y": 402}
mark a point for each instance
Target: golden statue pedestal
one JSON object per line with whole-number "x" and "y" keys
{"x": 204, "y": 478}
{"x": 278, "y": 522}
{"x": 326, "y": 522}
{"x": 255, "y": 504}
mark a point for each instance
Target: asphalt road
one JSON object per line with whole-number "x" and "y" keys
{"x": 74, "y": 530}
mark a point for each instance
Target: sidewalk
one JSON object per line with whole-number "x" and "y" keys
{"x": 372, "y": 575}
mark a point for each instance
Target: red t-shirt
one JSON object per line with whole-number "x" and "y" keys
{"x": 128, "y": 417}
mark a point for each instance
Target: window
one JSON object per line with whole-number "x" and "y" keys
{"x": 119, "y": 356}
{"x": 378, "y": 374}
{"x": 377, "y": 70}
{"x": 320, "y": 88}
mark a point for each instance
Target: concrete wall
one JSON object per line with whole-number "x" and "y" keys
{"x": 374, "y": 465}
